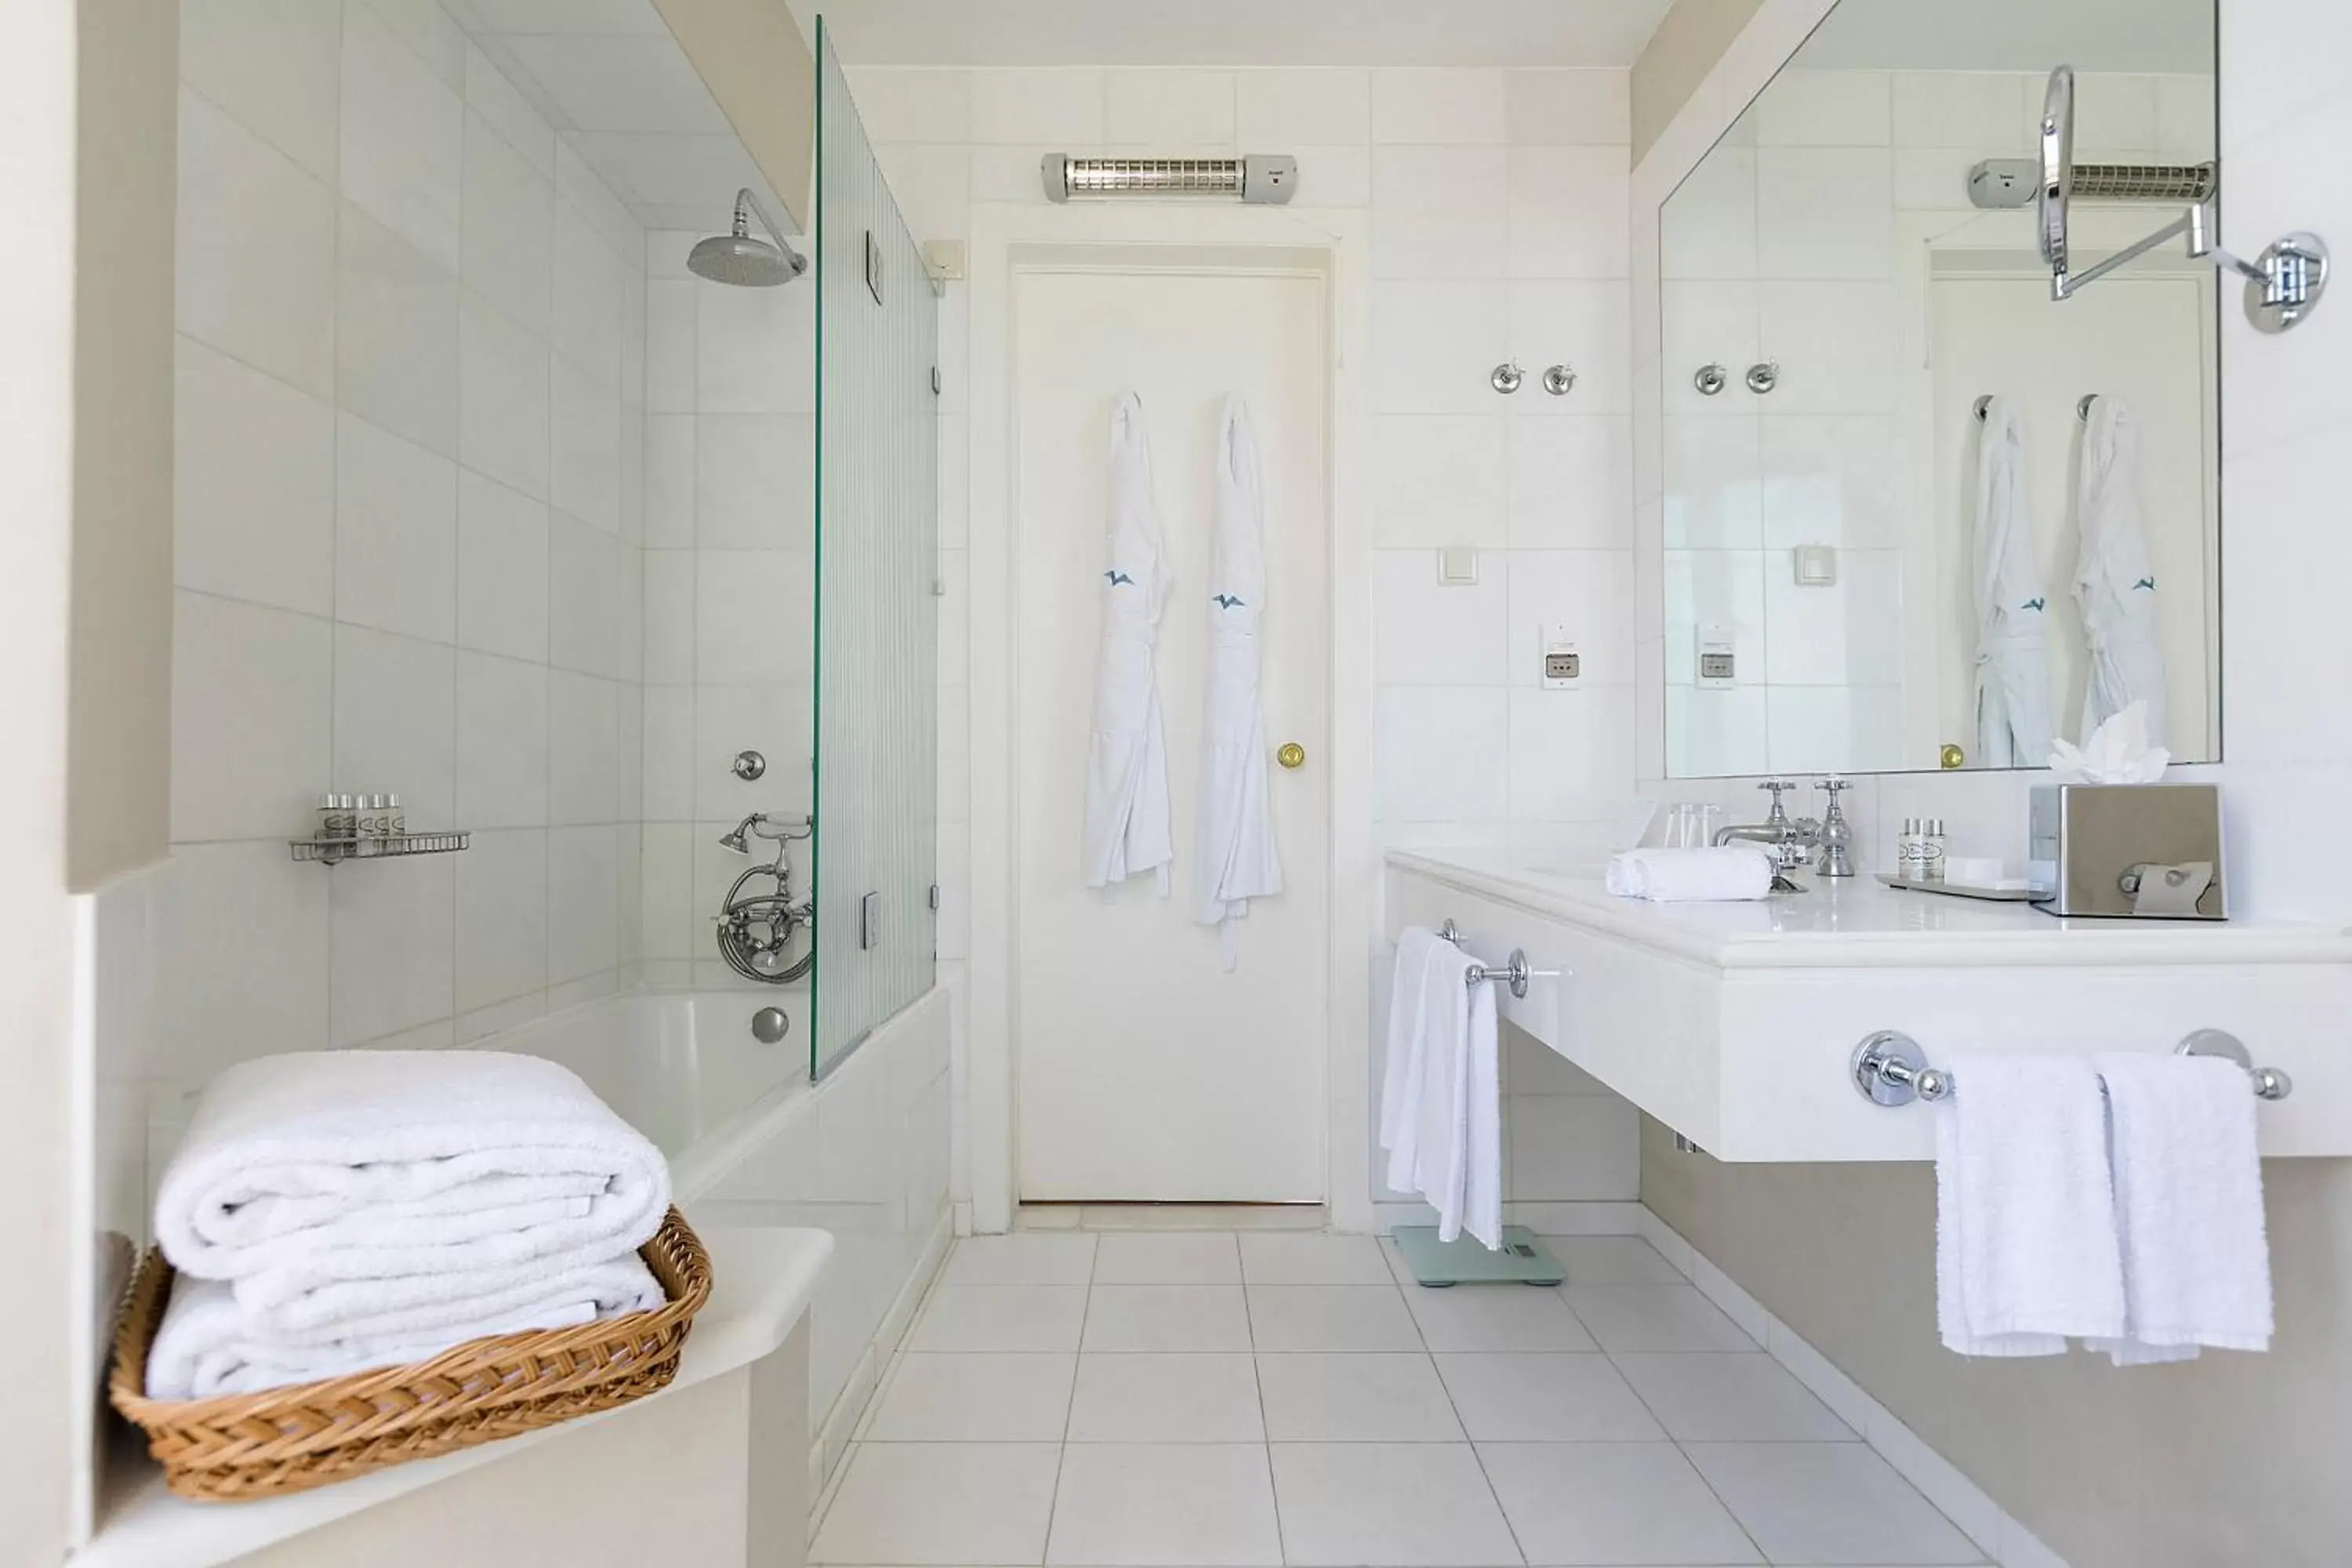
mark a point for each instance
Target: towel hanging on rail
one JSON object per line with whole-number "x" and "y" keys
{"x": 1126, "y": 824}
{"x": 1233, "y": 855}
{"x": 2012, "y": 663}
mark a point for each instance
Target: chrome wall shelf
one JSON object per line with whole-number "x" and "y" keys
{"x": 335, "y": 851}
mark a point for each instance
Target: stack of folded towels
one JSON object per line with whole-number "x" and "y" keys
{"x": 330, "y": 1212}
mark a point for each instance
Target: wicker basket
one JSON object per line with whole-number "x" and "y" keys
{"x": 234, "y": 1447}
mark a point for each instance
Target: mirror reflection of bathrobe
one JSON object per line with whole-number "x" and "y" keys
{"x": 1125, "y": 823}
{"x": 1233, "y": 855}
{"x": 2013, "y": 665}
{"x": 2114, "y": 585}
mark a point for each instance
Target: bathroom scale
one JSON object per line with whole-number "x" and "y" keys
{"x": 1466, "y": 1260}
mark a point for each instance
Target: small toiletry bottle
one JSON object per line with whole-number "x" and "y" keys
{"x": 396, "y": 820}
{"x": 1931, "y": 851}
{"x": 1908, "y": 847}
{"x": 367, "y": 820}
{"x": 330, "y": 821}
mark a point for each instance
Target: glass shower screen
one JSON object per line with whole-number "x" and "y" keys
{"x": 877, "y": 565}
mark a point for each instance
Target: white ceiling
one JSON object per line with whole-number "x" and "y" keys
{"x": 1234, "y": 32}
{"x": 2015, "y": 36}
{"x": 618, "y": 87}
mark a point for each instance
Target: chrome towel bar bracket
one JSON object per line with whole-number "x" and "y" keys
{"x": 1515, "y": 971}
{"x": 1889, "y": 1068}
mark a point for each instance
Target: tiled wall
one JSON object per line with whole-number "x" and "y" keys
{"x": 1498, "y": 202}
{"x": 408, "y": 527}
{"x": 1783, "y": 246}
{"x": 730, "y": 578}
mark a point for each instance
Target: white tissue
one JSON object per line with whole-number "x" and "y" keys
{"x": 2119, "y": 753}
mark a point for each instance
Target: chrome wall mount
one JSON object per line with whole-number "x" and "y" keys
{"x": 1514, "y": 973}
{"x": 1890, "y": 1069}
{"x": 1559, "y": 378}
{"x": 2284, "y": 283}
{"x": 748, "y": 765}
{"x": 2083, "y": 405}
{"x": 1710, "y": 379}
{"x": 1261, "y": 178}
{"x": 1506, "y": 377}
{"x": 1763, "y": 376}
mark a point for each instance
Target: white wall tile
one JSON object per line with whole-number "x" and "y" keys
{"x": 669, "y": 753}
{"x": 1577, "y": 108}
{"x": 1441, "y": 754}
{"x": 670, "y": 334}
{"x": 924, "y": 104}
{"x": 1333, "y": 176}
{"x": 251, "y": 709}
{"x": 1572, "y": 483}
{"x": 1591, "y": 592}
{"x": 501, "y": 918}
{"x": 393, "y": 947}
{"x": 1300, "y": 107}
{"x": 1439, "y": 479}
{"x": 430, "y": 32}
{"x": 755, "y": 349}
{"x": 1834, "y": 729}
{"x": 1015, "y": 107}
{"x": 1831, "y": 479}
{"x": 670, "y": 618}
{"x": 394, "y": 722}
{"x": 1824, "y": 212}
{"x": 502, "y": 397}
{"x": 1438, "y": 212}
{"x": 2115, "y": 113}
{"x": 255, "y": 251}
{"x": 395, "y": 533}
{"x": 1708, "y": 324}
{"x": 402, "y": 159}
{"x": 1581, "y": 325}
{"x": 395, "y": 334}
{"x": 666, "y": 892}
{"x": 1428, "y": 633}
{"x": 253, "y": 485}
{"x": 670, "y": 479}
{"x": 1846, "y": 633}
{"x": 1714, "y": 496}
{"x": 502, "y": 766}
{"x": 1835, "y": 343}
{"x": 932, "y": 185}
{"x": 590, "y": 284}
{"x": 1985, "y": 111}
{"x": 584, "y": 447}
{"x": 578, "y": 183}
{"x": 1435, "y": 342}
{"x": 776, "y": 720}
{"x": 509, "y": 227}
{"x": 584, "y": 580}
{"x": 755, "y": 485}
{"x": 1826, "y": 109}
{"x": 1176, "y": 110}
{"x": 1717, "y": 732}
{"x": 506, "y": 112}
{"x": 753, "y": 616}
{"x": 583, "y": 749}
{"x": 1439, "y": 105}
{"x": 275, "y": 66}
{"x": 501, "y": 569}
{"x": 1568, "y": 216}
{"x": 583, "y": 903}
{"x": 1571, "y": 753}
{"x": 1708, "y": 228}
{"x": 242, "y": 968}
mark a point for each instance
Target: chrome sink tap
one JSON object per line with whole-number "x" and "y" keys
{"x": 1836, "y": 834}
{"x": 1792, "y": 840}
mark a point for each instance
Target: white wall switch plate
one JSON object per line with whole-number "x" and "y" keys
{"x": 1458, "y": 565}
{"x": 1563, "y": 666}
{"x": 1816, "y": 565}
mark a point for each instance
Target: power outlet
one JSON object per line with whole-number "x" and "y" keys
{"x": 1563, "y": 664}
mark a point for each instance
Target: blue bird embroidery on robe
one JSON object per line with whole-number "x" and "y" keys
{"x": 1227, "y": 601}
{"x": 1117, "y": 577}
{"x": 2147, "y": 582}
{"x": 2035, "y": 604}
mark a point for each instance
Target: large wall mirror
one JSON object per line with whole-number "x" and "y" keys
{"x": 1885, "y": 445}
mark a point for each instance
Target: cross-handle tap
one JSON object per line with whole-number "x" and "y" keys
{"x": 1836, "y": 834}
{"x": 1790, "y": 840}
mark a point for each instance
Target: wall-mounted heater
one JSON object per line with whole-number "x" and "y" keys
{"x": 1259, "y": 177}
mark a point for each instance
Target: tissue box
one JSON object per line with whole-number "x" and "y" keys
{"x": 2105, "y": 850}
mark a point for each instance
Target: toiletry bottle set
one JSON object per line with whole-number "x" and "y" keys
{"x": 352, "y": 817}
{"x": 1919, "y": 850}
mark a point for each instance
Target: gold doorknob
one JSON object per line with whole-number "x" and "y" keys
{"x": 1954, "y": 757}
{"x": 1292, "y": 755}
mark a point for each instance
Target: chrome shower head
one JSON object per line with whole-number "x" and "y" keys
{"x": 740, "y": 259}
{"x": 735, "y": 840}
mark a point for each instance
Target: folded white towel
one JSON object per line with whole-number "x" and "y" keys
{"x": 2189, "y": 1197}
{"x": 208, "y": 1344}
{"x": 1732, "y": 872}
{"x": 1401, "y": 1073}
{"x": 2026, "y": 1251}
{"x": 1444, "y": 1132}
{"x": 454, "y": 1175}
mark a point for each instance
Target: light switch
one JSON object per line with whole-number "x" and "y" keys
{"x": 1816, "y": 565}
{"x": 1458, "y": 565}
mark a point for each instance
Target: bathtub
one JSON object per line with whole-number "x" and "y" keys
{"x": 751, "y": 1141}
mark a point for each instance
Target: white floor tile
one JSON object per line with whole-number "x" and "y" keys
{"x": 1166, "y": 1318}
{"x": 1148, "y": 1398}
{"x": 1168, "y": 1257}
{"x": 1496, "y": 1318}
{"x": 1829, "y": 1502}
{"x": 1194, "y": 1503}
{"x": 921, "y": 1504}
{"x": 1355, "y": 1399}
{"x": 1275, "y": 1257}
{"x": 1545, "y": 1399}
{"x": 1330, "y": 1318}
{"x": 1022, "y": 1257}
{"x": 1388, "y": 1505}
{"x": 1609, "y": 1260}
{"x": 1611, "y": 1503}
{"x": 1002, "y": 1318}
{"x": 1017, "y": 1398}
{"x": 1731, "y": 1399}
{"x": 1205, "y": 1216}
{"x": 1654, "y": 1318}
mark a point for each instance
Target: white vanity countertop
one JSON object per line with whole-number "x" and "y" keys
{"x": 761, "y": 1281}
{"x": 1862, "y": 921}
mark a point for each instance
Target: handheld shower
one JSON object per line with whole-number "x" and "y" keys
{"x": 742, "y": 259}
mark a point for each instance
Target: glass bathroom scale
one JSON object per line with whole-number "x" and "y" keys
{"x": 1467, "y": 1262}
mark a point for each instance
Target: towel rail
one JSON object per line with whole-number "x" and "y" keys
{"x": 1514, "y": 973}
{"x": 1890, "y": 1069}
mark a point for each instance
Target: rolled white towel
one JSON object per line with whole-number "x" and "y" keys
{"x": 208, "y": 1344}
{"x": 444, "y": 1169}
{"x": 1731, "y": 872}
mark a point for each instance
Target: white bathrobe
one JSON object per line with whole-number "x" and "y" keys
{"x": 2114, "y": 585}
{"x": 1126, "y": 824}
{"x": 2012, "y": 668}
{"x": 1233, "y": 855}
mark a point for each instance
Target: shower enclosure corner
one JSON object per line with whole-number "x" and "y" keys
{"x": 876, "y": 567}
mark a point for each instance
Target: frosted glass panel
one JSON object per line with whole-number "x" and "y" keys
{"x": 878, "y": 559}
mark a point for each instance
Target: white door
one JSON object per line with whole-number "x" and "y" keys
{"x": 1144, "y": 1071}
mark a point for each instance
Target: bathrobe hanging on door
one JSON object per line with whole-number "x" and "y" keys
{"x": 2012, "y": 670}
{"x": 1126, "y": 826}
{"x": 1233, "y": 855}
{"x": 2114, "y": 583}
